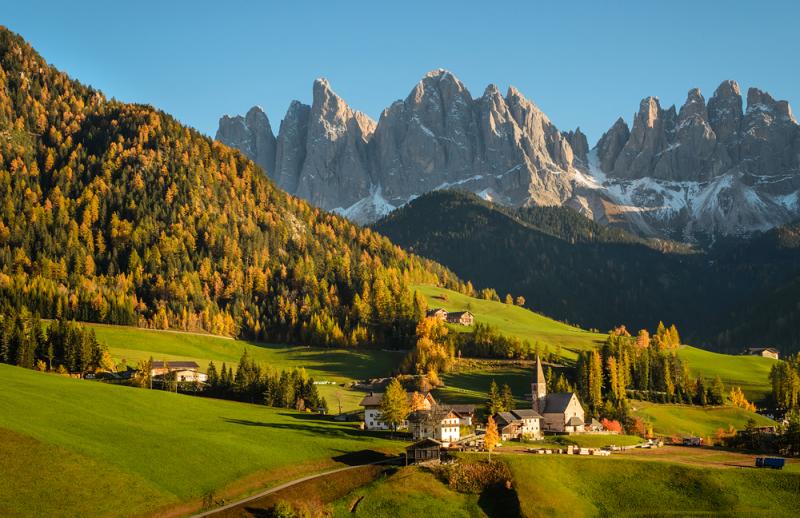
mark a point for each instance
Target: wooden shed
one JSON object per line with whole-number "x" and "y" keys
{"x": 424, "y": 451}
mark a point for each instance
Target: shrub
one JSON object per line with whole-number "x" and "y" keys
{"x": 475, "y": 477}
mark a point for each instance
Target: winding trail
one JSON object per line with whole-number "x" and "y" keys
{"x": 291, "y": 483}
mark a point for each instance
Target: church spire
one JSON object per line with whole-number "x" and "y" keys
{"x": 539, "y": 372}
{"x": 539, "y": 388}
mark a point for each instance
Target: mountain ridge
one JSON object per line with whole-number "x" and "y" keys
{"x": 667, "y": 176}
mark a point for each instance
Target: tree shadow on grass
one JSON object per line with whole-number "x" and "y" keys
{"x": 357, "y": 458}
{"x": 500, "y": 502}
{"x": 328, "y": 429}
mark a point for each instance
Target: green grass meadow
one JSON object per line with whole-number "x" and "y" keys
{"x": 337, "y": 365}
{"x": 131, "y": 451}
{"x": 684, "y": 420}
{"x": 580, "y": 486}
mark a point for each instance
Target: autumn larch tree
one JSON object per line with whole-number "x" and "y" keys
{"x": 491, "y": 438}
{"x": 394, "y": 405}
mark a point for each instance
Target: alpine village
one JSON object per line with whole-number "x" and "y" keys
{"x": 452, "y": 309}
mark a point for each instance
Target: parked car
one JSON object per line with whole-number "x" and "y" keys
{"x": 770, "y": 462}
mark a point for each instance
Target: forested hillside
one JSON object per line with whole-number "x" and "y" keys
{"x": 737, "y": 294}
{"x": 117, "y": 213}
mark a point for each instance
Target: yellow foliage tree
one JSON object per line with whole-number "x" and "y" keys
{"x": 491, "y": 439}
{"x": 738, "y": 399}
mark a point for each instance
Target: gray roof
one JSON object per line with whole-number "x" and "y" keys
{"x": 372, "y": 399}
{"x": 175, "y": 365}
{"x": 575, "y": 421}
{"x": 429, "y": 442}
{"x": 557, "y": 402}
{"x": 433, "y": 416}
{"x": 458, "y": 314}
{"x": 506, "y": 417}
{"x": 463, "y": 409}
{"x": 526, "y": 413}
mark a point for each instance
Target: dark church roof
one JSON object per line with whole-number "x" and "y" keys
{"x": 557, "y": 402}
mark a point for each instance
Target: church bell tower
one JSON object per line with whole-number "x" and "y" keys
{"x": 539, "y": 388}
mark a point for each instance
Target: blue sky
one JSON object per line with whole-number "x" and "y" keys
{"x": 583, "y": 63}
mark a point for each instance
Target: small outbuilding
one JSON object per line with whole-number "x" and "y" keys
{"x": 766, "y": 352}
{"x": 464, "y": 318}
{"x": 425, "y": 450}
{"x": 438, "y": 314}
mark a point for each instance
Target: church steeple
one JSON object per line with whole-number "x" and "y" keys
{"x": 539, "y": 388}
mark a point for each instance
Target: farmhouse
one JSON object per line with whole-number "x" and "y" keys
{"x": 439, "y": 423}
{"x": 562, "y": 411}
{"x": 766, "y": 352}
{"x": 465, "y": 413}
{"x": 372, "y": 409}
{"x": 464, "y": 318}
{"x": 516, "y": 424}
{"x": 438, "y": 314}
{"x": 183, "y": 371}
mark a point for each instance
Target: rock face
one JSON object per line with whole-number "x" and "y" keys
{"x": 703, "y": 169}
{"x": 335, "y": 171}
{"x": 709, "y": 169}
{"x": 251, "y": 134}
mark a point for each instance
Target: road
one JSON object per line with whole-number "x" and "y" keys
{"x": 285, "y": 485}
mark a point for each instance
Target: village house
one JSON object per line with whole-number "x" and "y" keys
{"x": 464, "y": 318}
{"x": 766, "y": 352}
{"x": 508, "y": 426}
{"x": 439, "y": 423}
{"x": 182, "y": 371}
{"x": 372, "y": 409}
{"x": 562, "y": 411}
{"x": 518, "y": 424}
{"x": 465, "y": 413}
{"x": 438, "y": 314}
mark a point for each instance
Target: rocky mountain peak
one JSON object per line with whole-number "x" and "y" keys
{"x": 252, "y": 134}
{"x": 579, "y": 144}
{"x": 291, "y": 148}
{"x": 649, "y": 112}
{"x": 611, "y": 143}
{"x": 758, "y": 100}
{"x": 695, "y": 106}
{"x": 492, "y": 91}
{"x": 728, "y": 89}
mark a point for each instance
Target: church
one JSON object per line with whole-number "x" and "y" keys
{"x": 561, "y": 411}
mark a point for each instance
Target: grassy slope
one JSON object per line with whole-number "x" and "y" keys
{"x": 516, "y": 321}
{"x": 751, "y": 373}
{"x": 339, "y": 365}
{"x": 169, "y": 447}
{"x": 683, "y": 420}
{"x": 33, "y": 472}
{"x": 748, "y": 372}
{"x": 412, "y": 493}
{"x": 573, "y": 486}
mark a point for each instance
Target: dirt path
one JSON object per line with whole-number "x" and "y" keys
{"x": 289, "y": 484}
